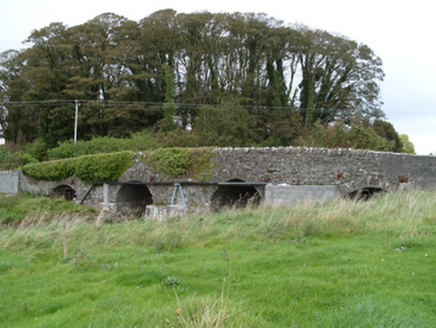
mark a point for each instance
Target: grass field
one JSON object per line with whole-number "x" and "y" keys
{"x": 342, "y": 264}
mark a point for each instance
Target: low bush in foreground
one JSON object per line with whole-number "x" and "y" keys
{"x": 342, "y": 264}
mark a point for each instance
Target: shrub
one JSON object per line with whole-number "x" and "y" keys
{"x": 181, "y": 161}
{"x": 139, "y": 141}
{"x": 103, "y": 167}
{"x": 6, "y": 159}
{"x": 228, "y": 125}
{"x": 357, "y": 135}
{"x": 68, "y": 149}
{"x": 90, "y": 168}
{"x": 37, "y": 149}
{"x": 13, "y": 160}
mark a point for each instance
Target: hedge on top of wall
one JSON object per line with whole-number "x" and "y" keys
{"x": 89, "y": 168}
{"x": 176, "y": 162}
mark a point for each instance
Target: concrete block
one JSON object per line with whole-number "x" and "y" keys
{"x": 9, "y": 182}
{"x": 284, "y": 194}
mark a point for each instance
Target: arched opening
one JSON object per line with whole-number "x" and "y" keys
{"x": 235, "y": 195}
{"x": 363, "y": 194}
{"x": 64, "y": 191}
{"x": 133, "y": 197}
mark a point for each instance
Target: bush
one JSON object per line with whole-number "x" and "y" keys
{"x": 140, "y": 141}
{"x": 181, "y": 161}
{"x": 357, "y": 135}
{"x": 37, "y": 150}
{"x": 68, "y": 149}
{"x": 103, "y": 167}
{"x": 227, "y": 126}
{"x": 6, "y": 159}
{"x": 13, "y": 160}
{"x": 90, "y": 168}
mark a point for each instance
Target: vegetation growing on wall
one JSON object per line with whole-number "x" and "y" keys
{"x": 176, "y": 162}
{"x": 89, "y": 168}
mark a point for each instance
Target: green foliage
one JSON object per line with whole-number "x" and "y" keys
{"x": 140, "y": 141}
{"x": 190, "y": 60}
{"x": 13, "y": 160}
{"x": 68, "y": 149}
{"x": 176, "y": 138}
{"x": 367, "y": 311}
{"x": 37, "y": 149}
{"x": 181, "y": 161}
{"x": 89, "y": 168}
{"x": 353, "y": 264}
{"x": 6, "y": 159}
{"x": 14, "y": 209}
{"x": 367, "y": 138}
{"x": 340, "y": 135}
{"x": 229, "y": 124}
{"x": 169, "y": 108}
{"x": 103, "y": 167}
{"x": 408, "y": 146}
{"x": 52, "y": 170}
{"x": 387, "y": 131}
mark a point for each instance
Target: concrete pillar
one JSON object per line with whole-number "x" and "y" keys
{"x": 106, "y": 197}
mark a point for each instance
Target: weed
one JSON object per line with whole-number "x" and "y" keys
{"x": 172, "y": 281}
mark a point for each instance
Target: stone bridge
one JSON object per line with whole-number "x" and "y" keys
{"x": 239, "y": 174}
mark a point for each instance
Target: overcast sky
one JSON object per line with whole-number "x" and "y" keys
{"x": 401, "y": 33}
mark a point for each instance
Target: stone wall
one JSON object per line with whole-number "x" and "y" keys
{"x": 347, "y": 169}
{"x": 95, "y": 197}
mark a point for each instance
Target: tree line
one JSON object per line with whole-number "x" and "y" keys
{"x": 230, "y": 78}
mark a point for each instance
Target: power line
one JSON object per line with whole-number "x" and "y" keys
{"x": 146, "y": 103}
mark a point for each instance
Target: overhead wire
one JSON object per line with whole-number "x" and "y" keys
{"x": 144, "y": 103}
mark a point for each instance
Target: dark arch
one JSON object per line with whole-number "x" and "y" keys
{"x": 363, "y": 193}
{"x": 133, "y": 197}
{"x": 236, "y": 195}
{"x": 64, "y": 191}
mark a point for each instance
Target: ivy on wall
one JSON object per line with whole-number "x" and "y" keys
{"x": 89, "y": 168}
{"x": 176, "y": 162}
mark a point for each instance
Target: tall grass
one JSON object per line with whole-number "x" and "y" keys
{"x": 28, "y": 208}
{"x": 340, "y": 264}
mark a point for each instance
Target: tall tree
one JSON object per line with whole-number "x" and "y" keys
{"x": 251, "y": 59}
{"x": 387, "y": 131}
{"x": 408, "y": 146}
{"x": 340, "y": 78}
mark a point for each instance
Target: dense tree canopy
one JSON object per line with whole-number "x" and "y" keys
{"x": 282, "y": 77}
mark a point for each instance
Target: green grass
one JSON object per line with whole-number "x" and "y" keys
{"x": 25, "y": 208}
{"x": 342, "y": 264}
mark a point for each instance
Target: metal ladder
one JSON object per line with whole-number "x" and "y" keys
{"x": 184, "y": 198}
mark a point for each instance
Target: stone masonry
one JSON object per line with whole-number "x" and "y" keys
{"x": 347, "y": 170}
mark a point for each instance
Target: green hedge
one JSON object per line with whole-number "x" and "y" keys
{"x": 89, "y": 168}
{"x": 177, "y": 162}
